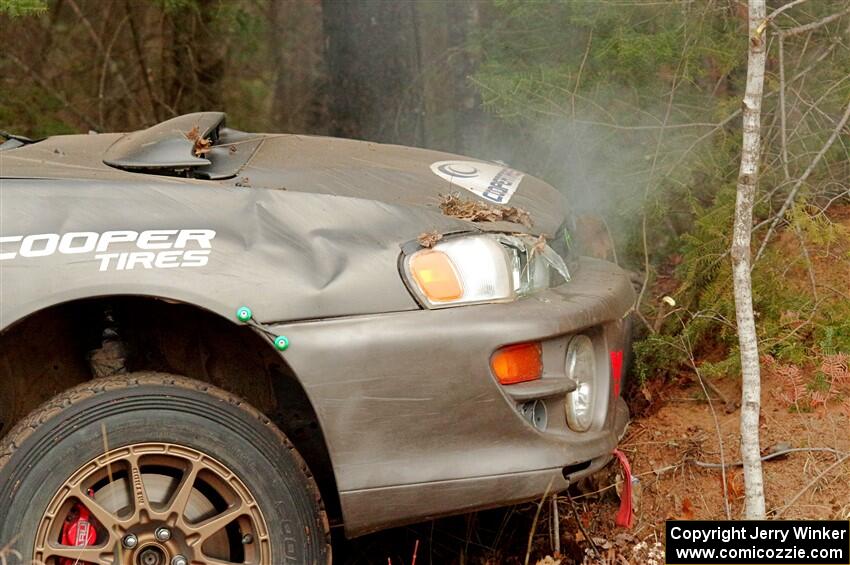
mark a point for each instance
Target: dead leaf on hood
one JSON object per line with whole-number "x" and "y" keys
{"x": 429, "y": 239}
{"x": 472, "y": 210}
{"x": 201, "y": 145}
{"x": 517, "y": 216}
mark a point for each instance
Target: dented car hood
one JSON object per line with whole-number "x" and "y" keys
{"x": 391, "y": 174}
{"x": 305, "y": 228}
{"x": 400, "y": 175}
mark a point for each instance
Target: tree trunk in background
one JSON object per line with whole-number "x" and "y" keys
{"x": 399, "y": 71}
{"x": 741, "y": 253}
{"x": 296, "y": 43}
{"x": 373, "y": 61}
{"x": 451, "y": 114}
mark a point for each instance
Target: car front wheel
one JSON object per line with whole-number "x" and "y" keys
{"x": 153, "y": 469}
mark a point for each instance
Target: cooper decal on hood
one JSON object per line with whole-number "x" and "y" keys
{"x": 151, "y": 249}
{"x": 489, "y": 181}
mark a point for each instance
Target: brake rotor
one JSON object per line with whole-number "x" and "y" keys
{"x": 115, "y": 497}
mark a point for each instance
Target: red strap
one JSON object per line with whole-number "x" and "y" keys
{"x": 625, "y": 515}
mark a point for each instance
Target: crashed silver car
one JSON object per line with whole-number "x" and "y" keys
{"x": 217, "y": 345}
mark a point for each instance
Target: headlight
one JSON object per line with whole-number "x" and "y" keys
{"x": 482, "y": 268}
{"x": 462, "y": 270}
{"x": 581, "y": 368}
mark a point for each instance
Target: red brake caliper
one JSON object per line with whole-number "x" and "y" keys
{"x": 78, "y": 531}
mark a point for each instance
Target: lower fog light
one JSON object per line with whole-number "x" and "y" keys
{"x": 581, "y": 368}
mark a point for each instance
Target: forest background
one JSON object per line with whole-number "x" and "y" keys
{"x": 632, "y": 108}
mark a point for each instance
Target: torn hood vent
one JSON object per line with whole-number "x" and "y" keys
{"x": 170, "y": 148}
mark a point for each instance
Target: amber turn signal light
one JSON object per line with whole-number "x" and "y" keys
{"x": 517, "y": 363}
{"x": 436, "y": 276}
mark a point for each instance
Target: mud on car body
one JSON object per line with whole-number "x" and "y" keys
{"x": 216, "y": 344}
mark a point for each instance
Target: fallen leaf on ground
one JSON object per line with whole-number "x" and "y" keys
{"x": 735, "y": 484}
{"x": 687, "y": 510}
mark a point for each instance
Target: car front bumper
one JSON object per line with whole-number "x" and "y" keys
{"x": 417, "y": 426}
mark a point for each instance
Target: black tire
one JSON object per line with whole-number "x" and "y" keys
{"x": 65, "y": 433}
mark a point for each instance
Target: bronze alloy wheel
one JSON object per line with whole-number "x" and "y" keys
{"x": 157, "y": 504}
{"x": 156, "y": 469}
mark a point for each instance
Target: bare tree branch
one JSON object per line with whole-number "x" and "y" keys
{"x": 783, "y": 130}
{"x": 788, "y": 6}
{"x": 580, "y": 70}
{"x": 814, "y": 25}
{"x": 106, "y": 56}
{"x": 809, "y": 485}
{"x": 86, "y": 119}
{"x": 793, "y": 194}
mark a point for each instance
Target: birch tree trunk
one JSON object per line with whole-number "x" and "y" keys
{"x": 741, "y": 239}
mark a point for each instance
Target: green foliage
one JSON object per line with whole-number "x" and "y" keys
{"x": 793, "y": 326}
{"x": 539, "y": 53}
{"x": 818, "y": 383}
{"x": 657, "y": 356}
{"x": 16, "y": 8}
{"x": 30, "y": 104}
{"x": 588, "y": 85}
{"x": 730, "y": 365}
{"x": 792, "y": 351}
{"x": 833, "y": 335}
{"x": 816, "y": 226}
